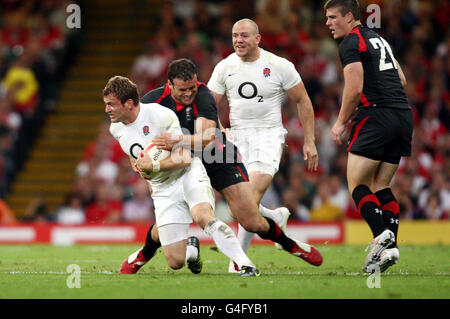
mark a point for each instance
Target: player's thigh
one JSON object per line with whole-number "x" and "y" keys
{"x": 383, "y": 176}
{"x": 360, "y": 170}
{"x": 197, "y": 187}
{"x": 241, "y": 201}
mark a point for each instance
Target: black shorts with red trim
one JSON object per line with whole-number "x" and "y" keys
{"x": 382, "y": 134}
{"x": 228, "y": 174}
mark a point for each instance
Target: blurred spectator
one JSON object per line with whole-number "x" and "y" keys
{"x": 35, "y": 49}
{"x": 140, "y": 207}
{"x": 324, "y": 208}
{"x": 72, "y": 212}
{"x": 7, "y": 216}
{"x": 37, "y": 212}
{"x": 290, "y": 200}
{"x": 104, "y": 209}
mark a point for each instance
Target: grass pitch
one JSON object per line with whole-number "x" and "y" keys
{"x": 40, "y": 271}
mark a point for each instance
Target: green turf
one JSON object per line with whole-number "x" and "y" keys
{"x": 40, "y": 271}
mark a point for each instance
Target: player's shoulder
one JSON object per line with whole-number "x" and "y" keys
{"x": 203, "y": 90}
{"x": 231, "y": 61}
{"x": 155, "y": 109}
{"x": 153, "y": 95}
{"x": 277, "y": 62}
{"x": 115, "y": 129}
{"x": 349, "y": 41}
{"x": 204, "y": 96}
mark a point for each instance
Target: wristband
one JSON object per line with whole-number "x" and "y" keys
{"x": 156, "y": 166}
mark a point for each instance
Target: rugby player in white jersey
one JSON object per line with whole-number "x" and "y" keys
{"x": 255, "y": 83}
{"x": 181, "y": 189}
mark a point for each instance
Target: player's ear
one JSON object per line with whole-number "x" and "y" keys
{"x": 349, "y": 17}
{"x": 258, "y": 38}
{"x": 170, "y": 84}
{"x": 129, "y": 103}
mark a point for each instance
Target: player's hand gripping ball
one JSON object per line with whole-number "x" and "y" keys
{"x": 150, "y": 155}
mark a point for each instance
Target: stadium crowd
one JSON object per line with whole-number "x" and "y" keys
{"x": 107, "y": 190}
{"x": 35, "y": 48}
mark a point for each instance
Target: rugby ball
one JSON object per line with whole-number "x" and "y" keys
{"x": 155, "y": 154}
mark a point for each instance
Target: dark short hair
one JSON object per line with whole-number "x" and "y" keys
{"x": 122, "y": 88}
{"x": 183, "y": 69}
{"x": 345, "y": 6}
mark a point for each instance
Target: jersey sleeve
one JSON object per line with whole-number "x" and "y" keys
{"x": 348, "y": 50}
{"x": 290, "y": 75}
{"x": 170, "y": 122}
{"x": 216, "y": 82}
{"x": 206, "y": 105}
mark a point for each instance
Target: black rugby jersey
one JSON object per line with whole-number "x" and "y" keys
{"x": 204, "y": 105}
{"x": 382, "y": 86}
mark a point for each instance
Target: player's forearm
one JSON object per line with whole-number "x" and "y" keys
{"x": 350, "y": 102}
{"x": 197, "y": 141}
{"x": 306, "y": 116}
{"x": 176, "y": 161}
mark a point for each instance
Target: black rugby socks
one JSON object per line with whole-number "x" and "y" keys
{"x": 370, "y": 208}
{"x": 391, "y": 210}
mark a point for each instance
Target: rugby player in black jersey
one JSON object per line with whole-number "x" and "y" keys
{"x": 382, "y": 126}
{"x": 196, "y": 109}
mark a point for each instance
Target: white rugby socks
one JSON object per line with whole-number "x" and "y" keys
{"x": 191, "y": 253}
{"x": 227, "y": 242}
{"x": 273, "y": 214}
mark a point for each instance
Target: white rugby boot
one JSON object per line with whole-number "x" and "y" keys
{"x": 376, "y": 248}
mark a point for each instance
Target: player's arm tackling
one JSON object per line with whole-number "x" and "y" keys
{"x": 205, "y": 128}
{"x": 179, "y": 158}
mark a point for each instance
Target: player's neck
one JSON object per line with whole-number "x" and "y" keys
{"x": 353, "y": 25}
{"x": 133, "y": 115}
{"x": 252, "y": 57}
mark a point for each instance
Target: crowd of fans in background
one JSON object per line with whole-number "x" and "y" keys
{"x": 107, "y": 190}
{"x": 35, "y": 45}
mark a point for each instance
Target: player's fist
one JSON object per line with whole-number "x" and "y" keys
{"x": 144, "y": 163}
{"x": 337, "y": 131}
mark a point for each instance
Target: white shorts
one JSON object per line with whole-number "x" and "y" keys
{"x": 173, "y": 201}
{"x": 261, "y": 148}
{"x": 172, "y": 233}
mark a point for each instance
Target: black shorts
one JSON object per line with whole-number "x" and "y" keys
{"x": 382, "y": 134}
{"x": 227, "y": 175}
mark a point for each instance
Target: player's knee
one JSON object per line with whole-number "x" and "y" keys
{"x": 175, "y": 262}
{"x": 202, "y": 215}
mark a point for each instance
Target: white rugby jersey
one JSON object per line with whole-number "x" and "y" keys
{"x": 153, "y": 120}
{"x": 255, "y": 90}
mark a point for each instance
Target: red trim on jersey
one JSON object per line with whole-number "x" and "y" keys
{"x": 364, "y": 100}
{"x": 194, "y": 106}
{"x": 242, "y": 173}
{"x": 391, "y": 207}
{"x": 200, "y": 83}
{"x": 366, "y": 199}
{"x": 362, "y": 46}
{"x": 165, "y": 93}
{"x": 357, "y": 129}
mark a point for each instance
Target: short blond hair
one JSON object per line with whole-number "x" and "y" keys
{"x": 251, "y": 22}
